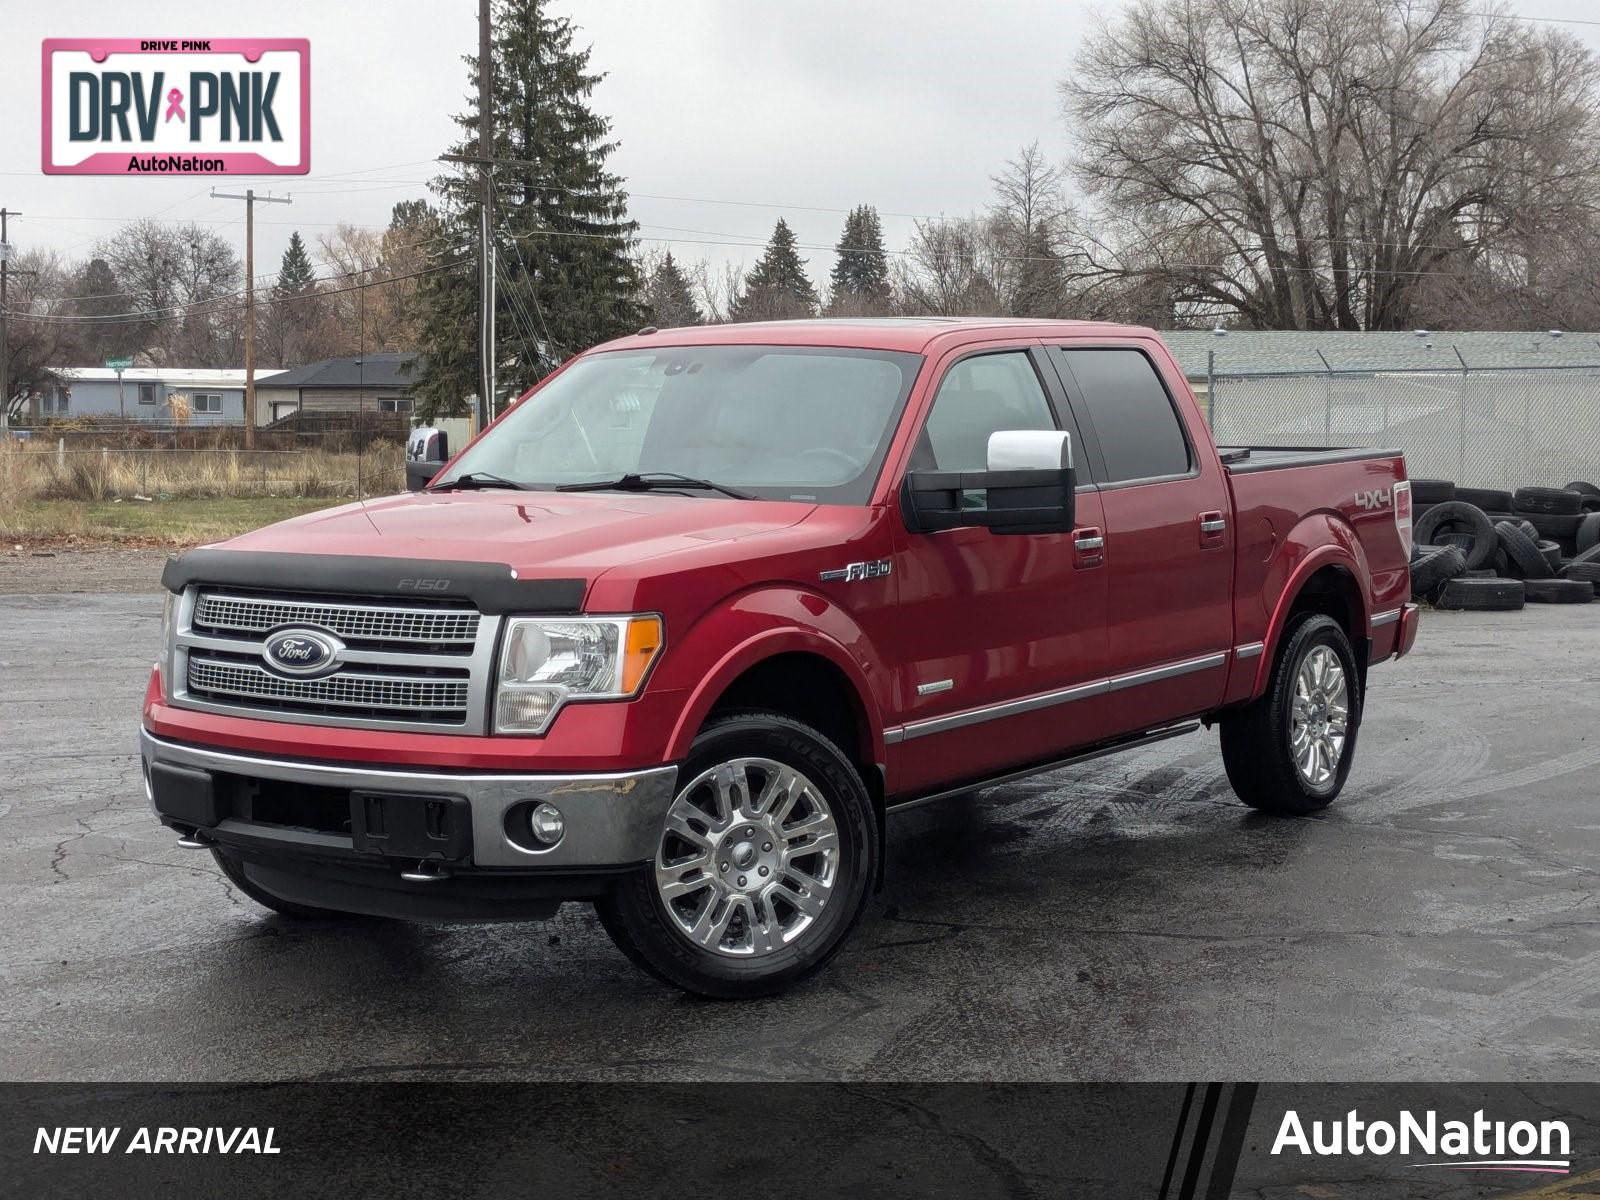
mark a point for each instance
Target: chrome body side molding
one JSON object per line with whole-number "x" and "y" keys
{"x": 1082, "y": 691}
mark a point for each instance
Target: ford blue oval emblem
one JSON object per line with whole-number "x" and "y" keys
{"x": 302, "y": 652}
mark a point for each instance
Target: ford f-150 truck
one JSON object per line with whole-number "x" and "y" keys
{"x": 677, "y": 632}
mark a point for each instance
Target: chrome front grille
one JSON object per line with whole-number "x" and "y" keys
{"x": 403, "y": 698}
{"x": 445, "y": 627}
{"x": 404, "y": 664}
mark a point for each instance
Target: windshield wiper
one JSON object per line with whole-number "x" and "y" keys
{"x": 646, "y": 481}
{"x": 477, "y": 479}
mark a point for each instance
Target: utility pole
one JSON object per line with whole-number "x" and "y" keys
{"x": 486, "y": 204}
{"x": 249, "y": 199}
{"x": 5, "y": 324}
{"x": 485, "y": 163}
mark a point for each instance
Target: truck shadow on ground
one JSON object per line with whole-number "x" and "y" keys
{"x": 956, "y": 864}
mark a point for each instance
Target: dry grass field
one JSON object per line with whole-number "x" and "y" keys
{"x": 176, "y": 497}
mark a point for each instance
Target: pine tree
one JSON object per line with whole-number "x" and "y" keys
{"x": 777, "y": 287}
{"x": 96, "y": 293}
{"x": 668, "y": 297}
{"x": 565, "y": 277}
{"x": 295, "y": 274}
{"x": 860, "y": 281}
{"x": 1040, "y": 276}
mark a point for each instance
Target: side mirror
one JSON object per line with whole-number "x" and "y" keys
{"x": 427, "y": 449}
{"x": 1029, "y": 487}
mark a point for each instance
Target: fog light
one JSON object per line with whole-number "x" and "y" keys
{"x": 547, "y": 823}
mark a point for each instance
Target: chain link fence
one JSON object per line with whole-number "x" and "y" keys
{"x": 1501, "y": 427}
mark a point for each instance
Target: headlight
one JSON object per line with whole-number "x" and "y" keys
{"x": 546, "y": 661}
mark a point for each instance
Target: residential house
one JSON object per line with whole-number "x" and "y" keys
{"x": 215, "y": 396}
{"x": 367, "y": 383}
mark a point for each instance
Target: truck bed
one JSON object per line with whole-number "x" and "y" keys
{"x": 1241, "y": 460}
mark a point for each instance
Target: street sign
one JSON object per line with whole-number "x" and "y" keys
{"x": 119, "y": 365}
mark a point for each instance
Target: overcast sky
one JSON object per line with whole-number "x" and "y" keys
{"x": 801, "y": 109}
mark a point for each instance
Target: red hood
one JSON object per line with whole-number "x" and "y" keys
{"x": 541, "y": 534}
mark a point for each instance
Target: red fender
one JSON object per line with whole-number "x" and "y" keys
{"x": 769, "y": 623}
{"x": 1341, "y": 549}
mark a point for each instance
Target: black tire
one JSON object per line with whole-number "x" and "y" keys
{"x": 1558, "y": 501}
{"x": 1583, "y": 489}
{"x": 1522, "y": 553}
{"x": 637, "y": 919}
{"x": 1527, "y": 526}
{"x": 1486, "y": 498}
{"x": 1587, "y": 534}
{"x": 1587, "y": 571}
{"x": 1552, "y": 555}
{"x": 1436, "y": 565}
{"x": 233, "y": 869}
{"x": 1592, "y": 554}
{"x": 1461, "y": 525}
{"x": 1559, "y": 591}
{"x": 1432, "y": 491}
{"x": 1501, "y": 564}
{"x": 1481, "y": 595}
{"x": 1559, "y": 527}
{"x": 1255, "y": 738}
{"x": 1481, "y": 573}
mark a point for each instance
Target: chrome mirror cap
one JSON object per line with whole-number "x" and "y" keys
{"x": 1030, "y": 450}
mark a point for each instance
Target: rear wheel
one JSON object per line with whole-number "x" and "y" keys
{"x": 1290, "y": 751}
{"x": 763, "y": 866}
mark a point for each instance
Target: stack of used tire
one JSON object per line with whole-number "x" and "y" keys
{"x": 1477, "y": 548}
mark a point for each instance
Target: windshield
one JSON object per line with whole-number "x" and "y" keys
{"x": 778, "y": 422}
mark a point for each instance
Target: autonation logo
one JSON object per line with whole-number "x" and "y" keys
{"x": 1480, "y": 1144}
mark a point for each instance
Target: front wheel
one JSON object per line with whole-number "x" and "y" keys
{"x": 763, "y": 867}
{"x": 1290, "y": 751}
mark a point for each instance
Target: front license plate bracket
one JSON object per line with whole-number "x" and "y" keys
{"x": 411, "y": 826}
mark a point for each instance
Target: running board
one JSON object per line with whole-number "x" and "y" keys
{"x": 1055, "y": 764}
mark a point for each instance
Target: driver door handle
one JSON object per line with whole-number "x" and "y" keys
{"x": 1088, "y": 548}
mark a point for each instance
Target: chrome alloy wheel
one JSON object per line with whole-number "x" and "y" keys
{"x": 749, "y": 857}
{"x": 1320, "y": 718}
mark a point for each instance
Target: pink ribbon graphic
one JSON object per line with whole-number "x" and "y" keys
{"x": 175, "y": 105}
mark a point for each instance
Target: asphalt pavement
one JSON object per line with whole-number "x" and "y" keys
{"x": 1123, "y": 920}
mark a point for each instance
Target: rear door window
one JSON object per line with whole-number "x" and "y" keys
{"x": 1133, "y": 417}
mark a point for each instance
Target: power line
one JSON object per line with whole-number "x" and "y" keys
{"x": 1540, "y": 20}
{"x": 211, "y": 306}
{"x": 269, "y": 276}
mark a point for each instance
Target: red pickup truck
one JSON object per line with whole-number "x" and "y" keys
{"x": 678, "y": 630}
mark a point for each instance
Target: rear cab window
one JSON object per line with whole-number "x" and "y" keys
{"x": 1131, "y": 413}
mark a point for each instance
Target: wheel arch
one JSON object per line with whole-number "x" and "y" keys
{"x": 1331, "y": 578}
{"x": 799, "y": 672}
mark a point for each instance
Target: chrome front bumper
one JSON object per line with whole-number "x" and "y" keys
{"x": 612, "y": 820}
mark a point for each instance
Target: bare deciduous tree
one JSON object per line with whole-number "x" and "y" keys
{"x": 36, "y": 286}
{"x": 950, "y": 269}
{"x": 185, "y": 279}
{"x": 1307, "y": 163}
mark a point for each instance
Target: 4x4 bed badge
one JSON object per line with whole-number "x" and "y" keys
{"x": 1377, "y": 498}
{"x": 303, "y": 653}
